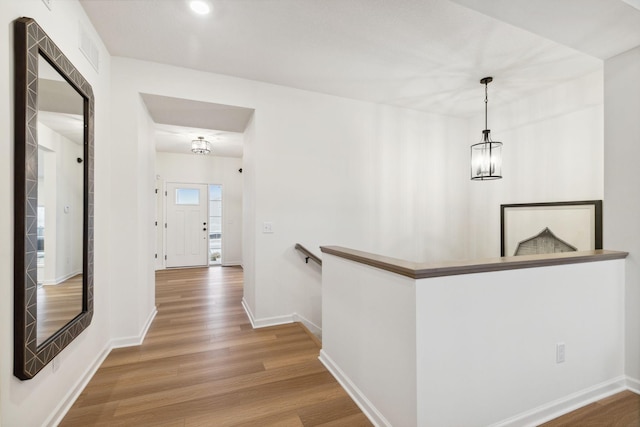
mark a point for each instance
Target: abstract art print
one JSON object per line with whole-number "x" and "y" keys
{"x": 540, "y": 228}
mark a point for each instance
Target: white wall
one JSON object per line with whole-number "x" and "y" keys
{"x": 146, "y": 180}
{"x": 190, "y": 168}
{"x": 47, "y": 198}
{"x": 328, "y": 170}
{"x": 553, "y": 151}
{"x": 322, "y": 169}
{"x": 63, "y": 255}
{"x": 354, "y": 174}
{"x": 487, "y": 343}
{"x": 622, "y": 204}
{"x": 369, "y": 338}
{"x": 249, "y": 215}
{"x": 413, "y": 352}
{"x": 132, "y": 213}
{"x": 33, "y": 402}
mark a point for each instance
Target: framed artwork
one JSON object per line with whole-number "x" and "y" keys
{"x": 537, "y": 228}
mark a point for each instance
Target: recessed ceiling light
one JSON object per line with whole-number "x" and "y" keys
{"x": 200, "y": 7}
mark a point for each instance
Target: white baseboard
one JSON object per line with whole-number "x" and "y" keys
{"x": 312, "y": 327}
{"x": 633, "y": 385}
{"x": 565, "y": 404}
{"x": 84, "y": 379}
{"x": 247, "y": 310}
{"x": 266, "y": 321}
{"x": 138, "y": 339}
{"x": 281, "y": 320}
{"x": 232, "y": 264}
{"x": 531, "y": 418}
{"x": 376, "y": 418}
{"x": 61, "y": 279}
{"x": 72, "y": 395}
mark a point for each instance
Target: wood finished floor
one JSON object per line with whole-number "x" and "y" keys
{"x": 58, "y": 305}
{"x": 619, "y": 410}
{"x": 202, "y": 364}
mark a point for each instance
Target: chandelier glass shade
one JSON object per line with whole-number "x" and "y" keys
{"x": 486, "y": 156}
{"x": 200, "y": 146}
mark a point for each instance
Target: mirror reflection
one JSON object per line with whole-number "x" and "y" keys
{"x": 60, "y": 201}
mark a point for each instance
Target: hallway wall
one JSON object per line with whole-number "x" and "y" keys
{"x": 132, "y": 230}
{"x": 41, "y": 400}
{"x": 622, "y": 204}
{"x": 326, "y": 170}
{"x": 553, "y": 152}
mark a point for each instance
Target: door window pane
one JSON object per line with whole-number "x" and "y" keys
{"x": 215, "y": 224}
{"x": 187, "y": 196}
{"x": 215, "y": 192}
{"x": 215, "y": 208}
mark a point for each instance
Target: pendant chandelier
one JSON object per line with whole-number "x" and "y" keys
{"x": 486, "y": 156}
{"x": 200, "y": 146}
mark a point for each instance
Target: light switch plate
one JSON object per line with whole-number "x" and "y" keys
{"x": 560, "y": 352}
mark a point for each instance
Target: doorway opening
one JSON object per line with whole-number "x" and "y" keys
{"x": 215, "y": 224}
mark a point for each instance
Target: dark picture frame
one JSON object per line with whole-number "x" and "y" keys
{"x": 578, "y": 223}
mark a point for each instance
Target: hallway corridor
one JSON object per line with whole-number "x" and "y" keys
{"x": 202, "y": 364}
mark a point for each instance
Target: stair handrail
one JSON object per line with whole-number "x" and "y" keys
{"x": 308, "y": 255}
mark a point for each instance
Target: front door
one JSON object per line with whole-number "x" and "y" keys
{"x": 187, "y": 228}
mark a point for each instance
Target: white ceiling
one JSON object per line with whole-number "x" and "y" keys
{"x": 177, "y": 139}
{"x": 203, "y": 115}
{"x": 60, "y": 106}
{"x": 71, "y": 126}
{"x": 179, "y": 121}
{"x": 601, "y": 28}
{"x": 427, "y": 55}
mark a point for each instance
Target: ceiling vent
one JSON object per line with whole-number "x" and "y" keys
{"x": 89, "y": 49}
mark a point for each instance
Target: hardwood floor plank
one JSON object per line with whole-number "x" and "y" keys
{"x": 291, "y": 395}
{"x": 356, "y": 420}
{"x": 57, "y": 305}
{"x": 132, "y": 389}
{"x": 246, "y": 383}
{"x": 328, "y": 411}
{"x": 619, "y": 410}
{"x": 278, "y": 420}
{"x": 203, "y": 364}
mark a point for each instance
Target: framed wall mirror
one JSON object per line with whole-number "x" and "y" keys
{"x": 53, "y": 249}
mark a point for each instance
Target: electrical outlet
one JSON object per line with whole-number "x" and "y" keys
{"x": 267, "y": 227}
{"x": 560, "y": 352}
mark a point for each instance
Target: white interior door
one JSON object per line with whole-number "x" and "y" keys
{"x": 159, "y": 224}
{"x": 186, "y": 225}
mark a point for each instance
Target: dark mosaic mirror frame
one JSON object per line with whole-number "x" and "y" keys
{"x": 30, "y": 41}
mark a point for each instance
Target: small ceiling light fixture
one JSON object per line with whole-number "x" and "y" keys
{"x": 486, "y": 156}
{"x": 200, "y": 146}
{"x": 200, "y": 7}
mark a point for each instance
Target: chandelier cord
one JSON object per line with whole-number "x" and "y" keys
{"x": 486, "y": 101}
